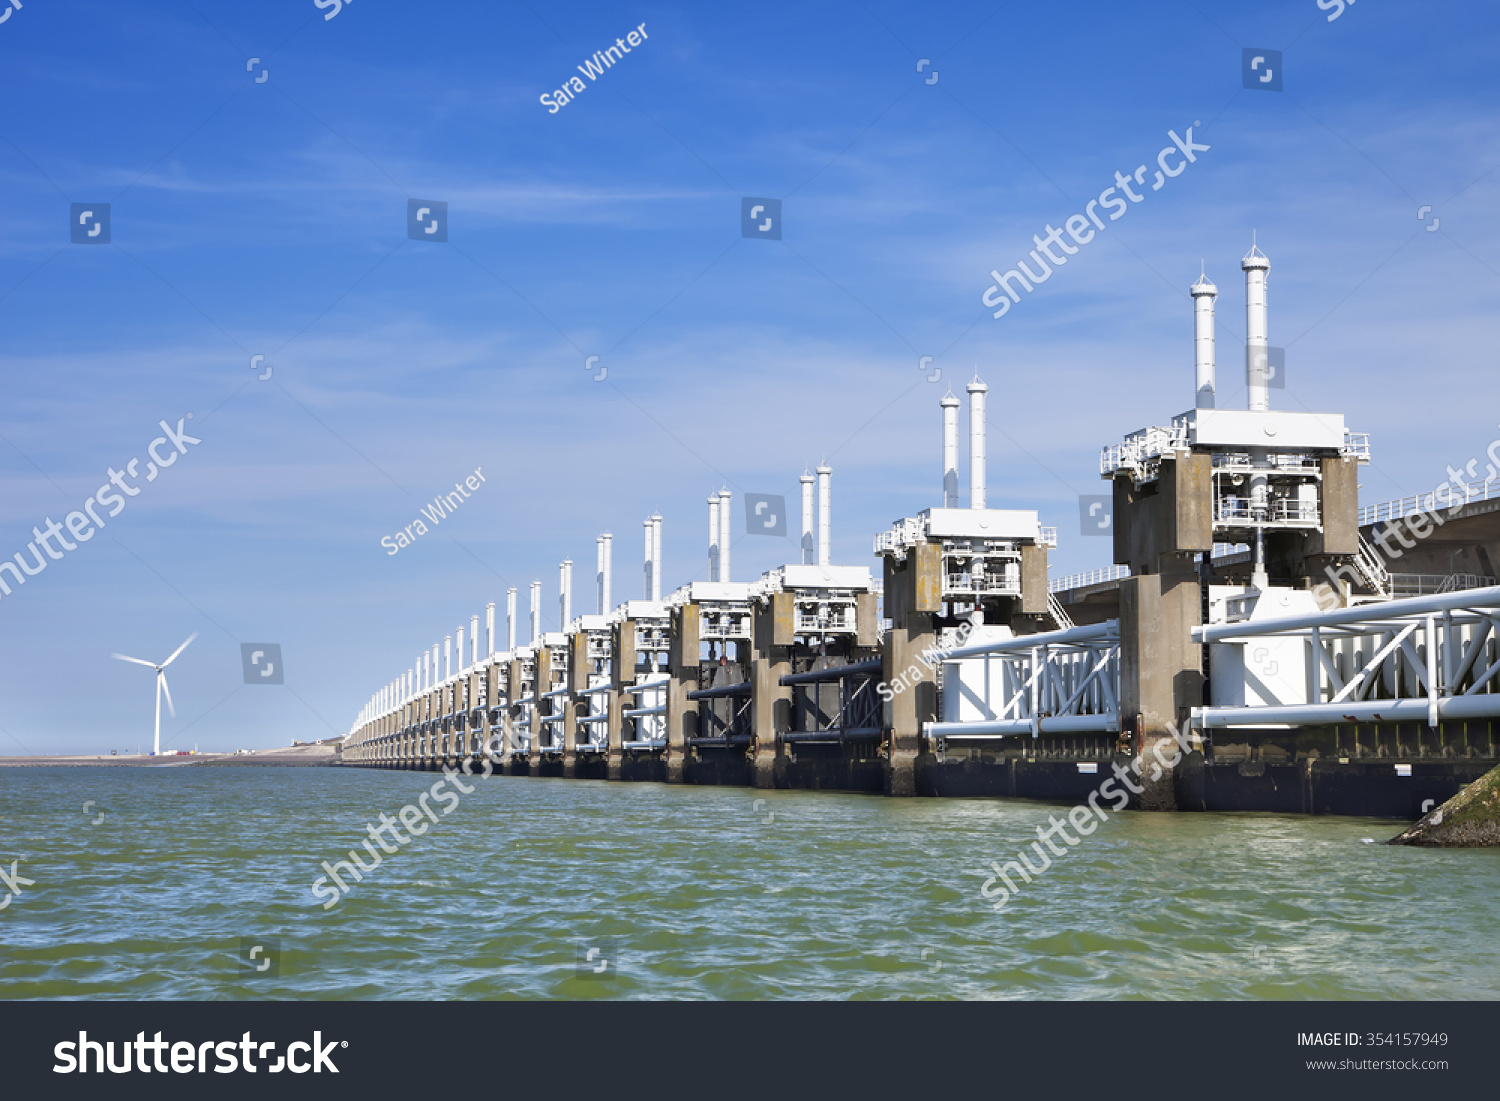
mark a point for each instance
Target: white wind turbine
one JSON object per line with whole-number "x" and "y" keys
{"x": 161, "y": 686}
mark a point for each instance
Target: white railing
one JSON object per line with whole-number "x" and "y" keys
{"x": 1234, "y": 508}
{"x": 1046, "y": 537}
{"x": 1006, "y": 582}
{"x": 1289, "y": 510}
{"x": 1281, "y": 510}
{"x": 1083, "y": 580}
{"x": 906, "y": 533}
{"x": 1280, "y": 462}
{"x": 824, "y": 619}
{"x": 1449, "y": 497}
{"x": 1430, "y": 584}
{"x": 1138, "y": 448}
{"x": 724, "y": 625}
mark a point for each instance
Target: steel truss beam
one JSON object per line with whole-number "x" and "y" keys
{"x": 1426, "y": 658}
{"x": 1056, "y": 682}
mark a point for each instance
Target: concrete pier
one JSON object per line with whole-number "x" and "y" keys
{"x": 684, "y": 671}
{"x": 913, "y": 599}
{"x": 1157, "y": 533}
{"x": 771, "y": 659}
{"x": 622, "y": 672}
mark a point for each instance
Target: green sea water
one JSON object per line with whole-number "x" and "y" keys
{"x": 690, "y": 892}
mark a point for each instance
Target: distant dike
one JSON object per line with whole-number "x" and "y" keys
{"x": 286, "y": 757}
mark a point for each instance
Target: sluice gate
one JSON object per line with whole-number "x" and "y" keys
{"x": 1253, "y": 640}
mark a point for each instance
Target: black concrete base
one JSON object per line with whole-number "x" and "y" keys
{"x": 592, "y": 766}
{"x": 1342, "y": 771}
{"x": 832, "y": 774}
{"x": 1362, "y": 787}
{"x": 719, "y": 768}
{"x": 1368, "y": 787}
{"x": 643, "y": 767}
{"x": 1015, "y": 778}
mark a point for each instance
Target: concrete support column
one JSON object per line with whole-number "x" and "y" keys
{"x": 487, "y": 691}
{"x": 459, "y": 701}
{"x": 460, "y": 704}
{"x": 419, "y": 746}
{"x": 434, "y": 729}
{"x": 512, "y": 742}
{"x": 453, "y": 704}
{"x": 439, "y": 748}
{"x": 913, "y": 596}
{"x": 400, "y": 748}
{"x": 772, "y": 628}
{"x": 908, "y": 711}
{"x": 574, "y": 704}
{"x": 540, "y": 682}
{"x": 682, "y": 678}
{"x": 448, "y": 745}
{"x": 622, "y": 672}
{"x": 1160, "y": 669}
{"x": 450, "y": 714}
{"x": 474, "y": 731}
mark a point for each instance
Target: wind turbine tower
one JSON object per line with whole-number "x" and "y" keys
{"x": 161, "y": 687}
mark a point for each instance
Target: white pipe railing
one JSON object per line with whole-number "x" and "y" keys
{"x": 1090, "y": 577}
{"x": 1055, "y": 682}
{"x": 1382, "y": 614}
{"x": 1451, "y": 496}
{"x": 1425, "y": 658}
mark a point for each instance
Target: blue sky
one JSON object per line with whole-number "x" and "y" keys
{"x": 269, "y": 218}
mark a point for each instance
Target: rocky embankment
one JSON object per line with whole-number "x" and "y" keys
{"x": 1471, "y": 819}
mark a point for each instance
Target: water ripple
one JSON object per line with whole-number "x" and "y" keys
{"x": 696, "y": 893}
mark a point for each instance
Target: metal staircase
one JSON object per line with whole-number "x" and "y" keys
{"x": 1059, "y": 615}
{"x": 1372, "y": 569}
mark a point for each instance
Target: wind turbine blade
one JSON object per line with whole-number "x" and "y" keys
{"x": 162, "y": 677}
{"x": 138, "y": 661}
{"x": 179, "y": 650}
